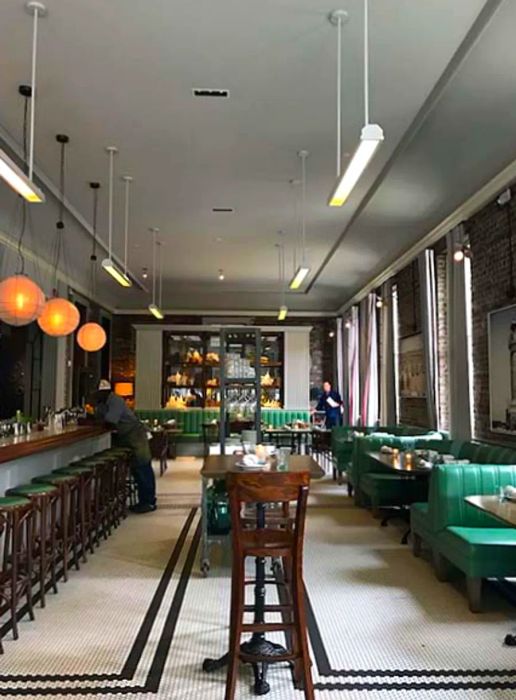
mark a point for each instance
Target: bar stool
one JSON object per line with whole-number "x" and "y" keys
{"x": 284, "y": 543}
{"x": 44, "y": 498}
{"x": 68, "y": 485}
{"x": 85, "y": 474}
{"x": 17, "y": 531}
{"x": 100, "y": 518}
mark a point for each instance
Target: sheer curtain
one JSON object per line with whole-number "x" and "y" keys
{"x": 352, "y": 366}
{"x": 459, "y": 366}
{"x": 388, "y": 413}
{"x": 428, "y": 295}
{"x": 369, "y": 361}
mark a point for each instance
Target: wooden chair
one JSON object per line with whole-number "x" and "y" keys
{"x": 283, "y": 541}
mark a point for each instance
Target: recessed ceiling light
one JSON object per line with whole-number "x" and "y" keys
{"x": 221, "y": 275}
{"x": 218, "y": 239}
{"x": 209, "y": 92}
{"x": 145, "y": 273}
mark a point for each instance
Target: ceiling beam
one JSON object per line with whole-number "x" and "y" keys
{"x": 473, "y": 35}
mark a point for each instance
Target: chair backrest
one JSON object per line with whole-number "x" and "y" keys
{"x": 249, "y": 436}
{"x": 268, "y": 488}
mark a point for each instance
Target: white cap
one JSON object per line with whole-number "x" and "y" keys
{"x": 104, "y": 385}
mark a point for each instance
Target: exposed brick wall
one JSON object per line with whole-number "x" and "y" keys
{"x": 441, "y": 263}
{"x": 491, "y": 281}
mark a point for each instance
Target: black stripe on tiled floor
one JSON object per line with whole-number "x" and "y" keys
{"x": 131, "y": 664}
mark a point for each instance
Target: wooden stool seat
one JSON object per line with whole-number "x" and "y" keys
{"x": 283, "y": 542}
{"x": 17, "y": 534}
{"x": 44, "y": 498}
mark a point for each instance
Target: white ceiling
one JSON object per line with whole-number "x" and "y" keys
{"x": 121, "y": 72}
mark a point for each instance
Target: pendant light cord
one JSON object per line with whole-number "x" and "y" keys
{"x": 111, "y": 150}
{"x": 23, "y": 201}
{"x": 33, "y": 90}
{"x": 154, "y": 268}
{"x": 95, "y": 186}
{"x": 339, "y": 94}
{"x": 60, "y": 222}
{"x": 366, "y": 62}
{"x": 303, "y": 205}
{"x": 160, "y": 296}
{"x": 126, "y": 223}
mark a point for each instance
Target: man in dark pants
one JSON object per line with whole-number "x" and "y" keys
{"x": 113, "y": 410}
{"x": 330, "y": 402}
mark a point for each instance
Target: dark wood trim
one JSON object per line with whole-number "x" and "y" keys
{"x": 27, "y": 445}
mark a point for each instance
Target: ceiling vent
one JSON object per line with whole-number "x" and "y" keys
{"x": 223, "y": 210}
{"x": 207, "y": 92}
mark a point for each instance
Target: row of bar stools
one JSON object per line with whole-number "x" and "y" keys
{"x": 17, "y": 529}
{"x": 58, "y": 516}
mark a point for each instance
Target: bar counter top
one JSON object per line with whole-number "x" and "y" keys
{"x": 12, "y": 448}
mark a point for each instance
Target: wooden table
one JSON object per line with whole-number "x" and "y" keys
{"x": 295, "y": 436}
{"x": 503, "y": 510}
{"x": 399, "y": 465}
{"x": 217, "y": 466}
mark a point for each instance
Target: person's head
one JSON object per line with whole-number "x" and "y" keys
{"x": 326, "y": 387}
{"x": 103, "y": 391}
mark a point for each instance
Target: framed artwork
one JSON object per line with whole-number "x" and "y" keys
{"x": 412, "y": 372}
{"x": 502, "y": 369}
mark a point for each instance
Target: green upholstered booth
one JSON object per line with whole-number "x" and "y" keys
{"x": 374, "y": 484}
{"x": 476, "y": 543}
{"x": 190, "y": 420}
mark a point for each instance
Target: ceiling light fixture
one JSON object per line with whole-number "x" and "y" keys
{"x": 379, "y": 302}
{"x": 283, "y": 309}
{"x": 153, "y": 307}
{"x": 9, "y": 171}
{"x": 145, "y": 273}
{"x": 372, "y": 134}
{"x": 303, "y": 269}
{"x": 221, "y": 275}
{"x": 108, "y": 263}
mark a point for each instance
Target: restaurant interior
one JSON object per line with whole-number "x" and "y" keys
{"x": 258, "y": 349}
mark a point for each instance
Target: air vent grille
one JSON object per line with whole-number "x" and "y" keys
{"x": 208, "y": 92}
{"x": 223, "y": 210}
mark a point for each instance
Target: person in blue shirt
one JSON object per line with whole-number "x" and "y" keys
{"x": 331, "y": 403}
{"x": 113, "y": 411}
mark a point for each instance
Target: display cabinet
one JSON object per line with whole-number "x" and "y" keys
{"x": 192, "y": 369}
{"x": 240, "y": 382}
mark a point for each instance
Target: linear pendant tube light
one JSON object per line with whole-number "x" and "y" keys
{"x": 303, "y": 269}
{"x": 283, "y": 309}
{"x": 372, "y": 134}
{"x": 153, "y": 307}
{"x": 21, "y": 183}
{"x": 108, "y": 263}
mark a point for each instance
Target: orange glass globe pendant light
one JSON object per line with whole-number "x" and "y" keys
{"x": 21, "y": 300}
{"x": 91, "y": 337}
{"x": 59, "y": 317}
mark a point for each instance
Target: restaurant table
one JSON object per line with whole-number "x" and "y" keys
{"x": 408, "y": 469}
{"x": 172, "y": 432}
{"x": 298, "y": 437}
{"x": 216, "y": 467}
{"x": 505, "y": 511}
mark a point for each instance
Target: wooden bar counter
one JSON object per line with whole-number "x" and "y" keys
{"x": 27, "y": 456}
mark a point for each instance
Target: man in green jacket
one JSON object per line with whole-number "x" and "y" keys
{"x": 112, "y": 410}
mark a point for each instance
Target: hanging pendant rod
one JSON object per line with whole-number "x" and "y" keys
{"x": 37, "y": 10}
{"x": 127, "y": 182}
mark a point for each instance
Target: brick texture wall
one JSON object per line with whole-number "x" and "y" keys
{"x": 491, "y": 289}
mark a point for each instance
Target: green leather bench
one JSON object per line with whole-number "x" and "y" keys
{"x": 476, "y": 543}
{"x": 342, "y": 439}
{"x": 377, "y": 486}
{"x": 190, "y": 420}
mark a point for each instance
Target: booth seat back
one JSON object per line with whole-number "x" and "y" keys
{"x": 449, "y": 486}
{"x": 190, "y": 420}
{"x": 277, "y": 417}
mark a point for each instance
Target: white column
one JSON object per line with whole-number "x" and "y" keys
{"x": 297, "y": 368}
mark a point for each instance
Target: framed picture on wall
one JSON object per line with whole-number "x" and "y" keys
{"x": 502, "y": 369}
{"x": 412, "y": 373}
